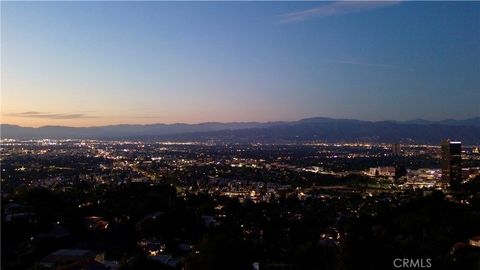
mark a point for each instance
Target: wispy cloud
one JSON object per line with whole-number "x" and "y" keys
{"x": 361, "y": 63}
{"x": 334, "y": 9}
{"x": 48, "y": 115}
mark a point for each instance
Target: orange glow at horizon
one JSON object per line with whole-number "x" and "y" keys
{"x": 136, "y": 120}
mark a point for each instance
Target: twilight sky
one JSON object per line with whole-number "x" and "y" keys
{"x": 98, "y": 63}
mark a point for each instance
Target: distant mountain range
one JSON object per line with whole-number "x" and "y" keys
{"x": 450, "y": 122}
{"x": 323, "y": 129}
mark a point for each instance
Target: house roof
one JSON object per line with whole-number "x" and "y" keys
{"x": 476, "y": 238}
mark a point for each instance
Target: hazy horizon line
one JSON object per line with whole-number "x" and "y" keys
{"x": 242, "y": 122}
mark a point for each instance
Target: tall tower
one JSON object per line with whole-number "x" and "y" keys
{"x": 396, "y": 150}
{"x": 452, "y": 163}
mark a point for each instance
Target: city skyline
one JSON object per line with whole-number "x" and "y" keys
{"x": 106, "y": 63}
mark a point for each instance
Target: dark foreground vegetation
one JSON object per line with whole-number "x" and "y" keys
{"x": 286, "y": 233}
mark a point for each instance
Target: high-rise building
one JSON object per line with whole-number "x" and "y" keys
{"x": 396, "y": 150}
{"x": 452, "y": 163}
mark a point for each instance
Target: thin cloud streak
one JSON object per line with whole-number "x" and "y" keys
{"x": 334, "y": 9}
{"x": 47, "y": 115}
{"x": 358, "y": 63}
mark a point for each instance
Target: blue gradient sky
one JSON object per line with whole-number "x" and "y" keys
{"x": 97, "y": 63}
